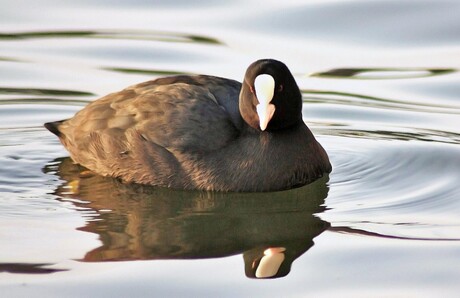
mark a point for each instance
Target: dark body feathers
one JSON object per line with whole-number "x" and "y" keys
{"x": 188, "y": 132}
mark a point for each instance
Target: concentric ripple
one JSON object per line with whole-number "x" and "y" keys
{"x": 395, "y": 188}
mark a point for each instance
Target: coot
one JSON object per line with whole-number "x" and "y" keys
{"x": 200, "y": 132}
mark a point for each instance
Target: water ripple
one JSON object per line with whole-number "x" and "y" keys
{"x": 355, "y": 99}
{"x": 35, "y": 91}
{"x": 399, "y": 189}
{"x": 121, "y": 34}
{"x": 383, "y": 73}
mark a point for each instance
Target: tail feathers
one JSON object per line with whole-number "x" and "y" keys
{"x": 54, "y": 127}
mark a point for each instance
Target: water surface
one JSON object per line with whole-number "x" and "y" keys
{"x": 380, "y": 84}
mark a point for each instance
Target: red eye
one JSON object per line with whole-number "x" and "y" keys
{"x": 280, "y": 88}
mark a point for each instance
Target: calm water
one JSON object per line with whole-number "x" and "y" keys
{"x": 382, "y": 94}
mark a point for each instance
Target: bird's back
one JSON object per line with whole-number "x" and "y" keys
{"x": 140, "y": 133}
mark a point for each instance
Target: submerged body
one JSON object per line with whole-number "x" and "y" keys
{"x": 200, "y": 132}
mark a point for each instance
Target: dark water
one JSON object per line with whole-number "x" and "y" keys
{"x": 381, "y": 92}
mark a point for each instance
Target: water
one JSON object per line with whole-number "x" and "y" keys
{"x": 381, "y": 92}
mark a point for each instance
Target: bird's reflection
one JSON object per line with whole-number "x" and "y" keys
{"x": 138, "y": 222}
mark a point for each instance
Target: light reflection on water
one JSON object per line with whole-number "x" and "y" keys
{"x": 139, "y": 222}
{"x": 388, "y": 117}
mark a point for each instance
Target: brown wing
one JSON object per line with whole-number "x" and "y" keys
{"x": 138, "y": 133}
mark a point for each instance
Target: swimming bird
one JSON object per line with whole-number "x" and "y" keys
{"x": 200, "y": 132}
